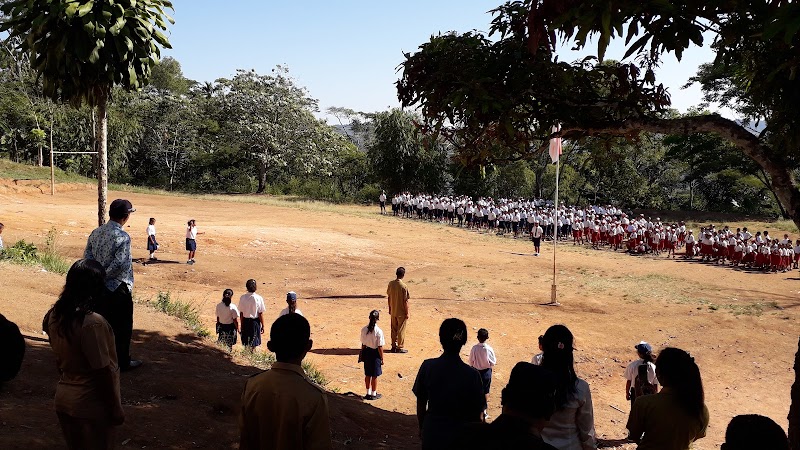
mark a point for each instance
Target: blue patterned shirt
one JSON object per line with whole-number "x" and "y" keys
{"x": 110, "y": 245}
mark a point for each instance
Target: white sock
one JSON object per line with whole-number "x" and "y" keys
{"x": 369, "y": 391}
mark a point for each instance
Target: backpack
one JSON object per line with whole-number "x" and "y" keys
{"x": 642, "y": 385}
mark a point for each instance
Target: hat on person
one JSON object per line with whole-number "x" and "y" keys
{"x": 291, "y": 296}
{"x": 643, "y": 347}
{"x": 120, "y": 207}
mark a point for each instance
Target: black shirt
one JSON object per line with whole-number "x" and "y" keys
{"x": 506, "y": 432}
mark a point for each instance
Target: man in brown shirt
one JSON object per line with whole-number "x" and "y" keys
{"x": 282, "y": 408}
{"x": 398, "y": 310}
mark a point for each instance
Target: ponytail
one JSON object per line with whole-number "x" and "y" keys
{"x": 227, "y": 294}
{"x": 374, "y": 315}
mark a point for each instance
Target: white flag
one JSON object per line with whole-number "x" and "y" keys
{"x": 555, "y": 145}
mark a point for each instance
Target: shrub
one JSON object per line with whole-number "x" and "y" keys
{"x": 21, "y": 253}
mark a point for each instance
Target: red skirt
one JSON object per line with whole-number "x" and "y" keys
{"x": 690, "y": 249}
{"x": 737, "y": 256}
{"x": 749, "y": 257}
{"x": 706, "y": 249}
{"x": 775, "y": 260}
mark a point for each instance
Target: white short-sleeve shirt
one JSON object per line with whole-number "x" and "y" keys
{"x": 374, "y": 339}
{"x": 191, "y": 233}
{"x": 250, "y": 305}
{"x": 151, "y": 230}
{"x": 227, "y": 314}
{"x": 285, "y": 311}
{"x": 633, "y": 369}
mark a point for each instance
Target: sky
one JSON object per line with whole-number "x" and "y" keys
{"x": 346, "y": 53}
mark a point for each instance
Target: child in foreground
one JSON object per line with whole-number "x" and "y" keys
{"x": 482, "y": 358}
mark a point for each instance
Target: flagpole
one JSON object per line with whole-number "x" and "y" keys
{"x": 553, "y": 295}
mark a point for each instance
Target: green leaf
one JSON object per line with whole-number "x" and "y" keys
{"x": 85, "y": 8}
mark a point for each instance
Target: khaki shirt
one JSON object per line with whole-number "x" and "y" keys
{"x": 90, "y": 347}
{"x": 664, "y": 423}
{"x": 283, "y": 409}
{"x": 398, "y": 295}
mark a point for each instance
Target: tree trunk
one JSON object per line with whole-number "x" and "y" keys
{"x": 794, "y": 409}
{"x": 41, "y": 156}
{"x": 779, "y": 171}
{"x": 101, "y": 139}
{"x": 262, "y": 177}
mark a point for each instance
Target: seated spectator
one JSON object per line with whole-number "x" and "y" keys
{"x": 12, "y": 351}
{"x": 88, "y": 401}
{"x": 752, "y": 431}
{"x": 572, "y": 425}
{"x": 449, "y": 392}
{"x": 677, "y": 416}
{"x": 281, "y": 407}
{"x": 528, "y": 402}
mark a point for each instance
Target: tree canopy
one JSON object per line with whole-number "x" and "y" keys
{"x": 510, "y": 88}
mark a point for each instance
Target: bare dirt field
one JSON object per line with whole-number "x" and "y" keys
{"x": 742, "y": 327}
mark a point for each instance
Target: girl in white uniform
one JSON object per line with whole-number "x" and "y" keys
{"x": 372, "y": 343}
{"x": 227, "y": 320}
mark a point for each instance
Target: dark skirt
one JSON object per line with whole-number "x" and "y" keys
{"x": 152, "y": 246}
{"x": 372, "y": 362}
{"x": 227, "y": 334}
{"x": 191, "y": 245}
{"x": 251, "y": 332}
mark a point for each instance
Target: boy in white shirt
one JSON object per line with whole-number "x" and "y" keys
{"x": 1, "y": 235}
{"x": 482, "y": 357}
{"x": 251, "y": 311}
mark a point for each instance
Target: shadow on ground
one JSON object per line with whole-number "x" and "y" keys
{"x": 186, "y": 395}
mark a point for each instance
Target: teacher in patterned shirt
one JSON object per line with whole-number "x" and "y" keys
{"x": 110, "y": 245}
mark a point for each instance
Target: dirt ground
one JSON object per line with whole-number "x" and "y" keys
{"x": 742, "y": 327}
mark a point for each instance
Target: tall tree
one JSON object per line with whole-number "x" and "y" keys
{"x": 81, "y": 49}
{"x": 515, "y": 89}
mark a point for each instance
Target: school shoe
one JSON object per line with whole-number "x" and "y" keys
{"x": 134, "y": 364}
{"x": 400, "y": 350}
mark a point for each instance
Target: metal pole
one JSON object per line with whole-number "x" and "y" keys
{"x": 553, "y": 294}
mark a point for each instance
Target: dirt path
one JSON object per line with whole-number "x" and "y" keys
{"x": 740, "y": 326}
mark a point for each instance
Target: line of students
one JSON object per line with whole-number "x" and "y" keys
{"x": 248, "y": 318}
{"x": 743, "y": 249}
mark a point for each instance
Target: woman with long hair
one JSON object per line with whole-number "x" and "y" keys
{"x": 571, "y": 427}
{"x": 676, "y": 416}
{"x": 87, "y": 399}
{"x": 372, "y": 342}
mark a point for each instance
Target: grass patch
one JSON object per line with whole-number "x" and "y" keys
{"x": 17, "y": 171}
{"x": 314, "y": 374}
{"x": 748, "y": 309}
{"x": 26, "y": 253}
{"x": 186, "y": 312}
{"x": 265, "y": 360}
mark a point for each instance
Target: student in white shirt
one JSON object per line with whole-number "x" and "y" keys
{"x": 251, "y": 311}
{"x": 372, "y": 342}
{"x": 1, "y": 235}
{"x": 227, "y": 320}
{"x": 291, "y": 305}
{"x": 536, "y": 237}
{"x": 482, "y": 358}
{"x": 382, "y": 200}
{"x": 645, "y": 353}
{"x": 152, "y": 244}
{"x": 796, "y": 250}
{"x": 191, "y": 240}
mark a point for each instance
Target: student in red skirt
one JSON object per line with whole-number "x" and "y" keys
{"x": 690, "y": 245}
{"x": 738, "y": 254}
{"x": 775, "y": 256}
{"x": 749, "y": 257}
{"x": 796, "y": 253}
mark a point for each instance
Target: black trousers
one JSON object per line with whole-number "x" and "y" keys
{"x": 117, "y": 308}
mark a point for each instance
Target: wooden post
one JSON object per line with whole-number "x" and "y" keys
{"x": 794, "y": 409}
{"x": 52, "y": 165}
